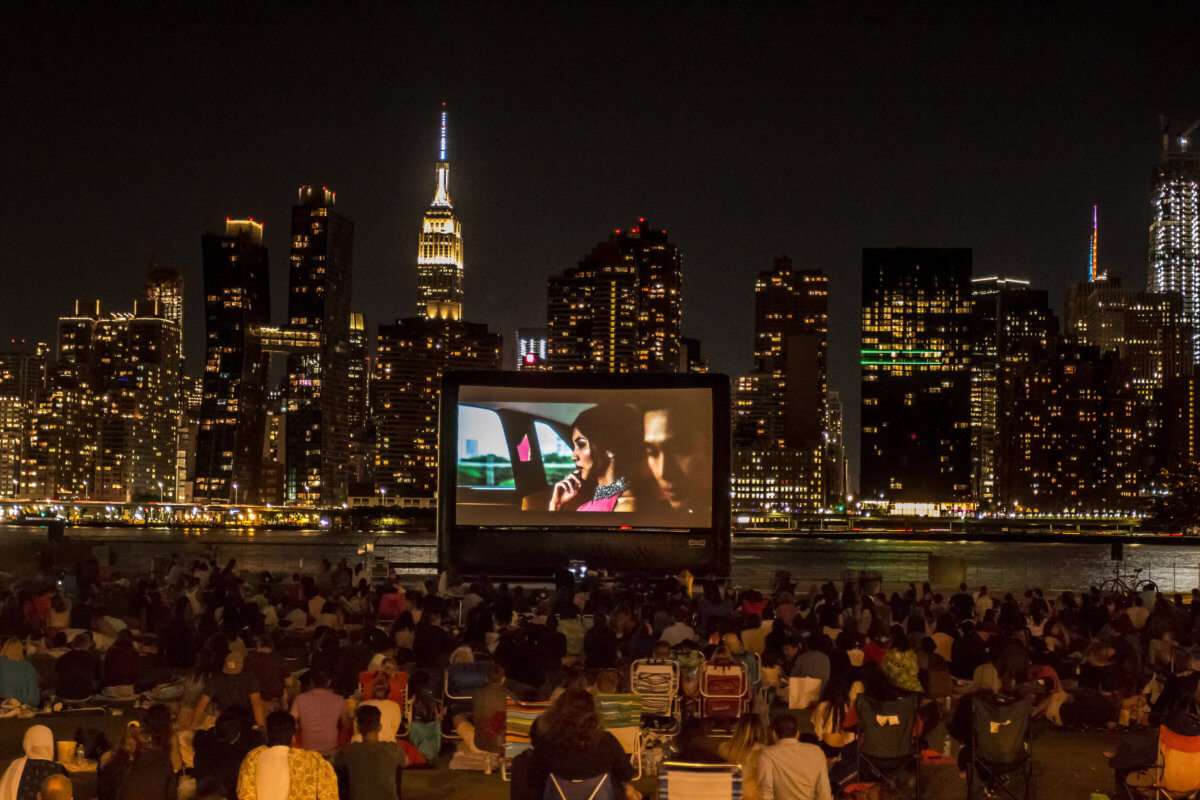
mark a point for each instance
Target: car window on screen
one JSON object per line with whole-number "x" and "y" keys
{"x": 556, "y": 453}
{"x": 483, "y": 458}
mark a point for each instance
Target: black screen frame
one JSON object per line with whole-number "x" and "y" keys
{"x": 501, "y": 550}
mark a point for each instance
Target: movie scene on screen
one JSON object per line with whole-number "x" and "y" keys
{"x": 587, "y": 458}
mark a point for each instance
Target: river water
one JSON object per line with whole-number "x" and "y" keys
{"x": 1006, "y": 566}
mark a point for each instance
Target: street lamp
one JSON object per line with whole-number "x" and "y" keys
{"x": 87, "y": 495}
{"x": 382, "y": 495}
{"x": 307, "y": 497}
{"x": 160, "y": 495}
{"x": 235, "y": 495}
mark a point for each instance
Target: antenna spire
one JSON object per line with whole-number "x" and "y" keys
{"x": 1093, "y": 261}
{"x": 442, "y": 152}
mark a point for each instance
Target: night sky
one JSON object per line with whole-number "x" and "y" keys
{"x": 745, "y": 132}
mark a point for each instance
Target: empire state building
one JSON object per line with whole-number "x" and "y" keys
{"x": 440, "y": 250}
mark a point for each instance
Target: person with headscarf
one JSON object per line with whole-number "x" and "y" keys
{"x": 23, "y": 778}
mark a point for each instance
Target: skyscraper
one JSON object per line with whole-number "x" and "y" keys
{"x": 916, "y": 392}
{"x": 619, "y": 309}
{"x": 1175, "y": 230}
{"x": 237, "y": 301}
{"x": 165, "y": 287}
{"x": 317, "y": 396}
{"x": 780, "y": 421}
{"x": 532, "y": 349}
{"x": 1011, "y": 324}
{"x": 412, "y": 354}
{"x": 440, "y": 248}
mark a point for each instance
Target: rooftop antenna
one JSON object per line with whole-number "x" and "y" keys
{"x": 442, "y": 154}
{"x": 1093, "y": 261}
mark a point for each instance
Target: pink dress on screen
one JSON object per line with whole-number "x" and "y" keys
{"x": 607, "y": 504}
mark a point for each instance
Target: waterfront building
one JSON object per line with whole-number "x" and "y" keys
{"x": 1174, "y": 264}
{"x": 1011, "y": 324}
{"x": 317, "y": 392}
{"x": 23, "y": 369}
{"x": 780, "y": 435}
{"x": 410, "y": 358}
{"x": 620, "y": 308}
{"x": 165, "y": 287}
{"x": 14, "y": 418}
{"x": 232, "y": 415}
{"x": 916, "y": 398}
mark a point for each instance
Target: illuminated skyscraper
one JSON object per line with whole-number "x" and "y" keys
{"x": 412, "y": 354}
{"x": 165, "y": 287}
{"x": 317, "y": 395}
{"x": 1175, "y": 230}
{"x": 440, "y": 249}
{"x": 1011, "y": 325}
{"x": 237, "y": 301}
{"x": 619, "y": 310}
{"x": 532, "y": 349}
{"x": 916, "y": 382}
{"x": 780, "y": 434}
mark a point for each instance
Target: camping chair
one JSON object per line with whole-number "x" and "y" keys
{"x": 1177, "y": 773}
{"x": 621, "y": 715}
{"x": 680, "y": 781}
{"x": 518, "y": 725}
{"x": 723, "y": 690}
{"x": 657, "y": 684}
{"x": 597, "y": 787}
{"x": 458, "y": 689}
{"x": 885, "y": 742}
{"x": 1001, "y": 746}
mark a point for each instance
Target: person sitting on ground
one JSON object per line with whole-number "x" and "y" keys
{"x": 275, "y": 681}
{"x": 122, "y": 663}
{"x": 320, "y": 713}
{"x": 745, "y": 748}
{"x": 77, "y": 674}
{"x": 148, "y": 774}
{"x": 569, "y": 742}
{"x": 220, "y": 750}
{"x": 233, "y": 686}
{"x": 371, "y": 767}
{"x": 277, "y": 771}
{"x": 56, "y": 787}
{"x": 18, "y": 677}
{"x": 390, "y": 713}
{"x": 789, "y": 769}
{"x": 24, "y": 776}
{"x": 483, "y": 731}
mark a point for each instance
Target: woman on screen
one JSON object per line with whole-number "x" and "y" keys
{"x": 605, "y": 443}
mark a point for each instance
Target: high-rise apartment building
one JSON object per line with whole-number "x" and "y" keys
{"x": 165, "y": 287}
{"x": 1175, "y": 230}
{"x": 620, "y": 309}
{"x": 410, "y": 358}
{"x": 317, "y": 396}
{"x": 916, "y": 382}
{"x": 1011, "y": 324}
{"x": 780, "y": 431}
{"x": 237, "y": 301}
{"x": 440, "y": 248}
{"x": 14, "y": 419}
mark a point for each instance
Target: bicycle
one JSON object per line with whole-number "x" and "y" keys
{"x": 1127, "y": 584}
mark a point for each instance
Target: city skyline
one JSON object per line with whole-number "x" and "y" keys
{"x": 807, "y": 146}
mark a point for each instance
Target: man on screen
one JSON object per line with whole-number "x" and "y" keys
{"x": 679, "y": 456}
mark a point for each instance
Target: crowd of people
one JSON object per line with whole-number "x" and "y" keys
{"x": 314, "y": 686}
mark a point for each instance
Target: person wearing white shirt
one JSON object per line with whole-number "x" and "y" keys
{"x": 983, "y": 602}
{"x": 790, "y": 769}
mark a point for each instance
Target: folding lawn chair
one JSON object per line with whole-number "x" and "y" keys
{"x": 597, "y": 787}
{"x": 621, "y": 715}
{"x": 680, "y": 781}
{"x": 518, "y": 725}
{"x": 1001, "y": 749}
{"x": 886, "y": 747}
{"x": 458, "y": 689}
{"x": 723, "y": 693}
{"x": 657, "y": 684}
{"x": 1176, "y": 776}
